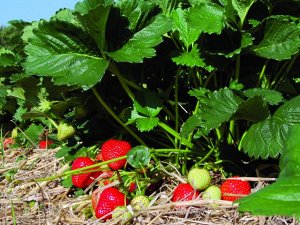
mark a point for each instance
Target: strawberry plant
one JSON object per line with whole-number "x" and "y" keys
{"x": 192, "y": 83}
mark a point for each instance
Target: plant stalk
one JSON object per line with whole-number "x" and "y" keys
{"x": 184, "y": 141}
{"x": 108, "y": 109}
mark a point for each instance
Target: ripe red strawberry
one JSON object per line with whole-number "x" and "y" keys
{"x": 99, "y": 157}
{"x": 105, "y": 175}
{"x": 95, "y": 198}
{"x": 85, "y": 179}
{"x": 8, "y": 142}
{"x": 112, "y": 149}
{"x": 184, "y": 192}
{"x": 232, "y": 187}
{"x": 44, "y": 144}
{"x": 132, "y": 187}
{"x": 109, "y": 199}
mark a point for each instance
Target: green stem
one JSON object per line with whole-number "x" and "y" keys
{"x": 166, "y": 150}
{"x": 168, "y": 129}
{"x": 53, "y": 123}
{"x": 231, "y": 130}
{"x": 168, "y": 112}
{"x": 237, "y": 68}
{"x": 108, "y": 109}
{"x": 115, "y": 71}
{"x": 13, "y": 214}
{"x": 218, "y": 133}
{"x": 289, "y": 66}
{"x": 211, "y": 75}
{"x": 262, "y": 73}
{"x": 207, "y": 155}
{"x": 176, "y": 109}
{"x": 80, "y": 170}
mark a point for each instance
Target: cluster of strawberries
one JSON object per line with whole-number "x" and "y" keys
{"x": 108, "y": 202}
{"x": 200, "y": 180}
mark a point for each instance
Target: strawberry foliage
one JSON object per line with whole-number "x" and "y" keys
{"x": 182, "y": 81}
{"x": 281, "y": 197}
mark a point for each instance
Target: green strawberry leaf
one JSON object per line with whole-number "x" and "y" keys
{"x": 289, "y": 162}
{"x": 93, "y": 16}
{"x": 139, "y": 157}
{"x": 246, "y": 41}
{"x": 280, "y": 198}
{"x": 281, "y": 38}
{"x": 215, "y": 108}
{"x": 55, "y": 49}
{"x": 283, "y": 196}
{"x": 7, "y": 57}
{"x": 146, "y": 124}
{"x": 254, "y": 109}
{"x": 271, "y": 96}
{"x": 135, "y": 11}
{"x": 270, "y": 134}
{"x": 187, "y": 34}
{"x": 3, "y": 93}
{"x": 32, "y": 133}
{"x": 142, "y": 44}
{"x": 242, "y": 7}
{"x": 146, "y": 107}
{"x": 65, "y": 15}
{"x": 63, "y": 152}
{"x": 206, "y": 17}
{"x": 67, "y": 182}
{"x": 191, "y": 59}
{"x": 148, "y": 104}
{"x": 166, "y": 6}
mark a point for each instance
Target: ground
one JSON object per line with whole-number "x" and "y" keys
{"x": 23, "y": 201}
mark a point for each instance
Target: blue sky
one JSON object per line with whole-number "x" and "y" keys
{"x": 30, "y": 10}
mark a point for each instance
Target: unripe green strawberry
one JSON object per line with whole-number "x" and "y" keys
{"x": 14, "y": 133}
{"x": 122, "y": 213}
{"x": 199, "y": 178}
{"x": 139, "y": 202}
{"x": 80, "y": 112}
{"x": 65, "y": 131}
{"x": 212, "y": 192}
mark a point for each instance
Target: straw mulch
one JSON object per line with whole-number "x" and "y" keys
{"x": 23, "y": 201}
